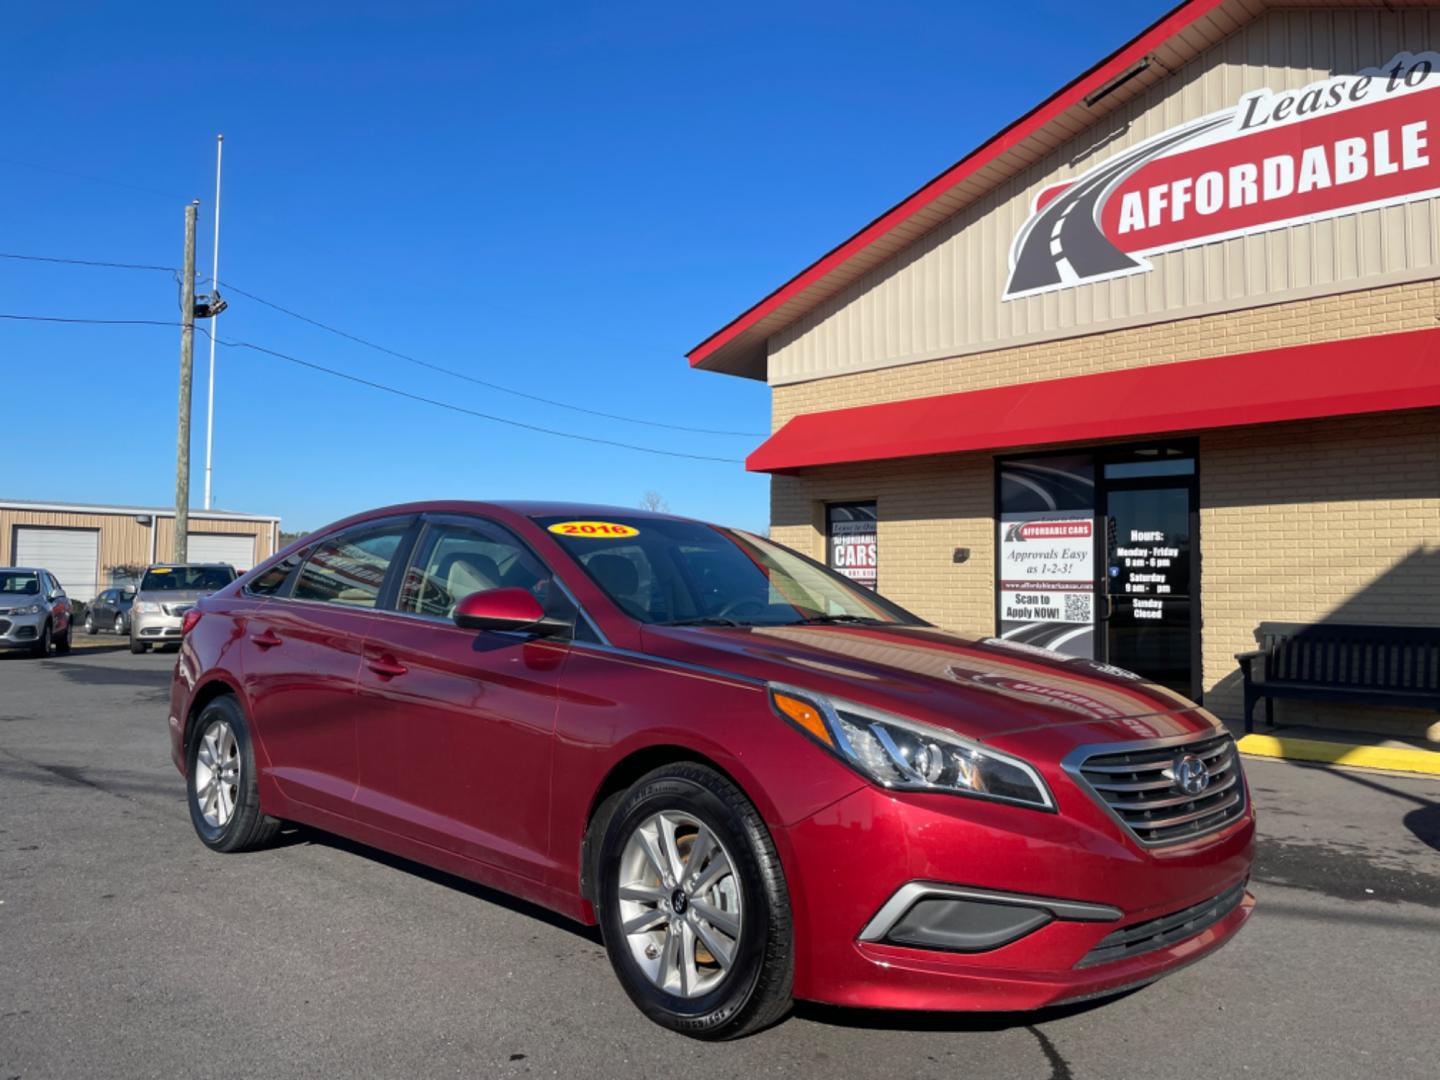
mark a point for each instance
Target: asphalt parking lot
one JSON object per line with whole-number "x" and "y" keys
{"x": 128, "y": 950}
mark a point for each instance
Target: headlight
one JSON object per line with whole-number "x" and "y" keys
{"x": 148, "y": 607}
{"x": 33, "y": 609}
{"x": 907, "y": 755}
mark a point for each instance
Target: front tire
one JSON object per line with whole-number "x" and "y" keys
{"x": 693, "y": 905}
{"x": 137, "y": 646}
{"x": 62, "y": 643}
{"x": 220, "y": 781}
{"x": 41, "y": 649}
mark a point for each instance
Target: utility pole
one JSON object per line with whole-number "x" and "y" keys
{"x": 187, "y": 357}
{"x": 214, "y": 291}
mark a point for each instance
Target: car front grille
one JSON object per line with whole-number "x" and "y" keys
{"x": 1165, "y": 931}
{"x": 1139, "y": 787}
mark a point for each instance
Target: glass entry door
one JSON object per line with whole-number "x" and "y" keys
{"x": 1153, "y": 570}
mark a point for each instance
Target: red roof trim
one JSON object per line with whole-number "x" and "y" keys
{"x": 1072, "y": 93}
{"x": 1302, "y": 382}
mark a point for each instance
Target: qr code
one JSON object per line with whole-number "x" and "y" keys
{"x": 1078, "y": 607}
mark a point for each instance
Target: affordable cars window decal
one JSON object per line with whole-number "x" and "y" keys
{"x": 596, "y": 530}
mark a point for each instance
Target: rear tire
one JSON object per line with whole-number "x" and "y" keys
{"x": 220, "y": 781}
{"x": 120, "y": 627}
{"x": 90, "y": 626}
{"x": 707, "y": 954}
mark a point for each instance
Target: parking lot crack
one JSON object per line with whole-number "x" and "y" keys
{"x": 1059, "y": 1067}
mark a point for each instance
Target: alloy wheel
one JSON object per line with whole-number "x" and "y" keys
{"x": 679, "y": 900}
{"x": 217, "y": 774}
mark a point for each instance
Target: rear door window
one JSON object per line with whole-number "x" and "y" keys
{"x": 349, "y": 569}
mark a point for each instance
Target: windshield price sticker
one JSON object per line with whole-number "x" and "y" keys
{"x": 595, "y": 530}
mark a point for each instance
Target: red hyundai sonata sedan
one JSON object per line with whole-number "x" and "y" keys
{"x": 762, "y": 781}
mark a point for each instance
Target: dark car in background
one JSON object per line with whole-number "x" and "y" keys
{"x": 110, "y": 611}
{"x": 166, "y": 593}
{"x": 34, "y": 611}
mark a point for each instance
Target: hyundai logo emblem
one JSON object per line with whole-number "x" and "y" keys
{"x": 1190, "y": 775}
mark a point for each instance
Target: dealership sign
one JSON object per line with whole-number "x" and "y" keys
{"x": 1347, "y": 143}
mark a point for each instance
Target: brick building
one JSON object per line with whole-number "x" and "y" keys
{"x": 1207, "y": 399}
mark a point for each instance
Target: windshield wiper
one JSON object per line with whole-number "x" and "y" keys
{"x": 818, "y": 620}
{"x": 704, "y": 620}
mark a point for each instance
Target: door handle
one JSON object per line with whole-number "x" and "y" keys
{"x": 268, "y": 640}
{"x": 387, "y": 667}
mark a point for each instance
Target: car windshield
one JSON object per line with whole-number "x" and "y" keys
{"x": 22, "y": 583}
{"x": 664, "y": 571}
{"x": 186, "y": 578}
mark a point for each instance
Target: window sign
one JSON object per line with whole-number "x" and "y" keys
{"x": 851, "y": 541}
{"x": 1047, "y": 543}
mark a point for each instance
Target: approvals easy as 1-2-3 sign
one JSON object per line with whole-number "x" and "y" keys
{"x": 1347, "y": 143}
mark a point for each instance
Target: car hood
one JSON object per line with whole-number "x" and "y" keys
{"x": 978, "y": 687}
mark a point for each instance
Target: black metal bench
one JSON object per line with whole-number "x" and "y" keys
{"x": 1369, "y": 665}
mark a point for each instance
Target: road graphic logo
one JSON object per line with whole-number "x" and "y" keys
{"x": 1344, "y": 144}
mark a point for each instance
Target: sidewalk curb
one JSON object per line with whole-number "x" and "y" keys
{"x": 1357, "y": 755}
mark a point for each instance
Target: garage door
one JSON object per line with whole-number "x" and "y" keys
{"x": 238, "y": 551}
{"x": 72, "y": 555}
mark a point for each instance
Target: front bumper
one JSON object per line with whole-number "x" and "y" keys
{"x": 848, "y": 862}
{"x": 159, "y": 627}
{"x": 21, "y": 631}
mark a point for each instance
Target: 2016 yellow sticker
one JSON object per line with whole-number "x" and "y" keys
{"x": 595, "y": 530}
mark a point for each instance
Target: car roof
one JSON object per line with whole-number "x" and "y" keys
{"x": 23, "y": 569}
{"x": 184, "y": 565}
{"x": 520, "y": 507}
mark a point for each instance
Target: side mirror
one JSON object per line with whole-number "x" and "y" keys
{"x": 504, "y": 609}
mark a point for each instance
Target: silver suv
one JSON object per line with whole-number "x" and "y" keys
{"x": 166, "y": 593}
{"x": 34, "y": 611}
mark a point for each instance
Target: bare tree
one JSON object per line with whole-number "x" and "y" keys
{"x": 655, "y": 502}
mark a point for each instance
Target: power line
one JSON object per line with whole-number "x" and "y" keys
{"x": 461, "y": 408}
{"x": 395, "y": 353}
{"x": 88, "y": 262}
{"x": 88, "y": 322}
{"x": 479, "y": 382}
{"x": 395, "y": 390}
{"x": 92, "y": 179}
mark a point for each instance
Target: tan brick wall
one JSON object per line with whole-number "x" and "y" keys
{"x": 926, "y": 510}
{"x": 1335, "y": 520}
{"x": 1357, "y": 314}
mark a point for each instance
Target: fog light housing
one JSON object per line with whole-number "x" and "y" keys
{"x": 965, "y": 926}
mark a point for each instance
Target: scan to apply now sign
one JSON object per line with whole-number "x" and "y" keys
{"x": 1047, "y": 568}
{"x": 1347, "y": 143}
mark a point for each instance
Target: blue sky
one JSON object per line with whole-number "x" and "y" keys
{"x": 559, "y": 198}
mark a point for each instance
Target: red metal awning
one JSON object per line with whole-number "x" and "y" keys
{"x": 1335, "y": 378}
